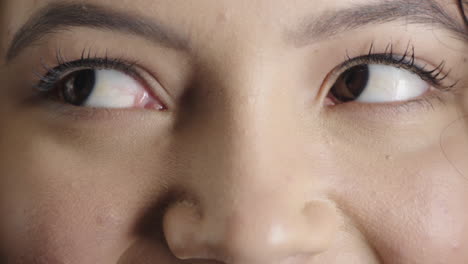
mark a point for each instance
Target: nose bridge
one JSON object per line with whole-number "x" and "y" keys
{"x": 243, "y": 127}
{"x": 260, "y": 115}
{"x": 242, "y": 110}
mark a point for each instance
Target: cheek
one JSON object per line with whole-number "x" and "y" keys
{"x": 57, "y": 222}
{"x": 412, "y": 210}
{"x": 428, "y": 223}
{"x": 444, "y": 216}
{"x": 446, "y": 225}
{"x": 454, "y": 144}
{"x": 66, "y": 189}
{"x": 433, "y": 228}
{"x": 53, "y": 208}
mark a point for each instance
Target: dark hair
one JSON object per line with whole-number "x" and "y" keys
{"x": 463, "y": 4}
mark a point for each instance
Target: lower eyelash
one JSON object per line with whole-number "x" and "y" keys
{"x": 395, "y": 110}
{"x": 424, "y": 102}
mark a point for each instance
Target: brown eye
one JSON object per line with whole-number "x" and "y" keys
{"x": 76, "y": 88}
{"x": 351, "y": 84}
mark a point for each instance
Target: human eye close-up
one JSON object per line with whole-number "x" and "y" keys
{"x": 98, "y": 83}
{"x": 234, "y": 132}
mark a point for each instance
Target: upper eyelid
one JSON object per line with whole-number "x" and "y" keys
{"x": 65, "y": 67}
{"x": 435, "y": 75}
{"x": 370, "y": 57}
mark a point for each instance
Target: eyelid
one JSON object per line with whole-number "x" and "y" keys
{"x": 408, "y": 61}
{"x": 64, "y": 68}
{"x": 440, "y": 93}
{"x": 53, "y": 75}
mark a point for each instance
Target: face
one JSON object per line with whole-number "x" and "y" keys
{"x": 248, "y": 131}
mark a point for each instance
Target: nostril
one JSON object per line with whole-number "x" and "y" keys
{"x": 249, "y": 235}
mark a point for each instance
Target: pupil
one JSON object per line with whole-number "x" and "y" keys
{"x": 351, "y": 83}
{"x": 79, "y": 86}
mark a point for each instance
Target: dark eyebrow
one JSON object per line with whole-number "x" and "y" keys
{"x": 60, "y": 16}
{"x": 333, "y": 22}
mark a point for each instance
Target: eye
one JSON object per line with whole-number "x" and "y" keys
{"x": 101, "y": 83}
{"x": 104, "y": 88}
{"x": 375, "y": 83}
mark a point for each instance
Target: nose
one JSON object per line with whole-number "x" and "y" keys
{"x": 253, "y": 192}
{"x": 250, "y": 227}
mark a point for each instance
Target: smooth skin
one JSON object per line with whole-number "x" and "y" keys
{"x": 248, "y": 165}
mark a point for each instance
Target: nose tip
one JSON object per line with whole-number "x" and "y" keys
{"x": 251, "y": 234}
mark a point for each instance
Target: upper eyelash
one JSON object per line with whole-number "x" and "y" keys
{"x": 407, "y": 61}
{"x": 48, "y": 81}
{"x": 435, "y": 76}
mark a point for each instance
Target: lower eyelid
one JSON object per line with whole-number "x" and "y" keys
{"x": 94, "y": 116}
{"x": 430, "y": 100}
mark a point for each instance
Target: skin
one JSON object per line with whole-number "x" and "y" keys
{"x": 248, "y": 165}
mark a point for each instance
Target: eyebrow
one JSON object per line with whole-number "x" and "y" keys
{"x": 333, "y": 22}
{"x": 61, "y": 16}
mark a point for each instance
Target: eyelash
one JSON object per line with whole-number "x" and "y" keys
{"x": 48, "y": 81}
{"x": 435, "y": 76}
{"x": 407, "y": 61}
